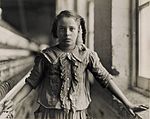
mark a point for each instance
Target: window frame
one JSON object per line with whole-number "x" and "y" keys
{"x": 138, "y": 83}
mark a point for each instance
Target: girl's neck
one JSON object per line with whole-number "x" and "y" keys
{"x": 66, "y": 48}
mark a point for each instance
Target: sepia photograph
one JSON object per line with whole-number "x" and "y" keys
{"x": 74, "y": 59}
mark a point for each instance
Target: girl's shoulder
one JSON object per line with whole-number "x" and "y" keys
{"x": 51, "y": 53}
{"x": 85, "y": 50}
{"x": 48, "y": 49}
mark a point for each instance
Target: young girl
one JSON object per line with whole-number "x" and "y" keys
{"x": 60, "y": 74}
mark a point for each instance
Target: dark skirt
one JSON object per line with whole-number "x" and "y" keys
{"x": 46, "y": 113}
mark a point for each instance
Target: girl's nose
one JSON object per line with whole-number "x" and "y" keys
{"x": 68, "y": 31}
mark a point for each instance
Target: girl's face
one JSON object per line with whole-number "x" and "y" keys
{"x": 67, "y": 32}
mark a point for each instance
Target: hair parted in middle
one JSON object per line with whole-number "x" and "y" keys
{"x": 66, "y": 13}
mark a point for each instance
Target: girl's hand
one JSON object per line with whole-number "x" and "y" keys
{"x": 137, "y": 108}
{"x": 7, "y": 115}
{"x": 8, "y": 106}
{"x": 7, "y": 110}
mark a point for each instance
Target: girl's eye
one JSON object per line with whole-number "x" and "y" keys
{"x": 72, "y": 29}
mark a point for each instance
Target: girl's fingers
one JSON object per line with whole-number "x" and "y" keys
{"x": 8, "y": 105}
{"x": 7, "y": 102}
{"x": 144, "y": 106}
{"x": 140, "y": 108}
{"x": 8, "y": 109}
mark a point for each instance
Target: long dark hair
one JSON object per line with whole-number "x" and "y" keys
{"x": 66, "y": 13}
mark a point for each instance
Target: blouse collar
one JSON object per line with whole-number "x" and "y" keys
{"x": 54, "y": 53}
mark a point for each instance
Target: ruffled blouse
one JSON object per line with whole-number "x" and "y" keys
{"x": 62, "y": 77}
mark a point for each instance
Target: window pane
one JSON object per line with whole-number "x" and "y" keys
{"x": 144, "y": 42}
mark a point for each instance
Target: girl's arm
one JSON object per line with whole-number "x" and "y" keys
{"x": 31, "y": 83}
{"x": 106, "y": 80}
{"x": 10, "y": 105}
{"x": 113, "y": 88}
{"x": 26, "y": 89}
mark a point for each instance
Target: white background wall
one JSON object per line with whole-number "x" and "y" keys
{"x": 121, "y": 40}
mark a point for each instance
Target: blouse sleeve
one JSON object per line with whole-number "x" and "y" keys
{"x": 35, "y": 77}
{"x": 97, "y": 69}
